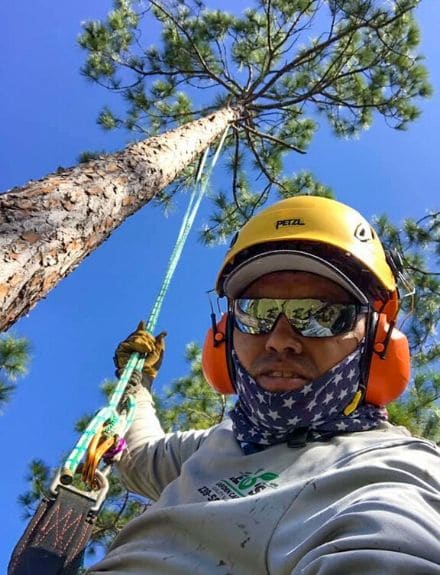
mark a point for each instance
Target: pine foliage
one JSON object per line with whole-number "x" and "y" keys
{"x": 14, "y": 359}
{"x": 285, "y": 64}
{"x": 419, "y": 243}
{"x": 191, "y": 403}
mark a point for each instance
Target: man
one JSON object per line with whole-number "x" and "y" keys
{"x": 305, "y": 476}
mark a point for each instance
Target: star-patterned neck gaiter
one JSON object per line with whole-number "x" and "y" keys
{"x": 314, "y": 413}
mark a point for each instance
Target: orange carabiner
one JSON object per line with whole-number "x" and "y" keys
{"x": 98, "y": 447}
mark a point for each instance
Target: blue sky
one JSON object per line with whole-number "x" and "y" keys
{"x": 47, "y": 117}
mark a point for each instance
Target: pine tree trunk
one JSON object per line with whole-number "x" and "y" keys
{"x": 49, "y": 226}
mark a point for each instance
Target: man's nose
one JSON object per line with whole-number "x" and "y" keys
{"x": 283, "y": 337}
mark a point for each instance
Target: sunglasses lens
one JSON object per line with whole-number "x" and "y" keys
{"x": 256, "y": 316}
{"x": 310, "y": 317}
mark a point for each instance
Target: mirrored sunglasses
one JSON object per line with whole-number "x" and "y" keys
{"x": 309, "y": 317}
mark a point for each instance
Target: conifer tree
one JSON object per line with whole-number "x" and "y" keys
{"x": 269, "y": 74}
{"x": 419, "y": 243}
{"x": 191, "y": 403}
{"x": 14, "y": 359}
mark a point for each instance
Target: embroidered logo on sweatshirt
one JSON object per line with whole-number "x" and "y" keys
{"x": 242, "y": 485}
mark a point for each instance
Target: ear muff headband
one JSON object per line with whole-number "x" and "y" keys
{"x": 388, "y": 370}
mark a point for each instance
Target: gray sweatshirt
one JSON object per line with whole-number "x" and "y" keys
{"x": 364, "y": 503}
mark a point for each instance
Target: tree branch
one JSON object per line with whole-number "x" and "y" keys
{"x": 202, "y": 61}
{"x": 418, "y": 270}
{"x": 314, "y": 51}
{"x": 266, "y": 69}
{"x": 263, "y": 169}
{"x": 429, "y": 216}
{"x": 268, "y": 30}
{"x": 272, "y": 139}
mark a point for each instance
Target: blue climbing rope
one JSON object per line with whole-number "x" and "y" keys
{"x": 117, "y": 416}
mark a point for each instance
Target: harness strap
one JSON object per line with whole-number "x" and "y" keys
{"x": 54, "y": 541}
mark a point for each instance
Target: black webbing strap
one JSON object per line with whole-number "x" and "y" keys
{"x": 54, "y": 541}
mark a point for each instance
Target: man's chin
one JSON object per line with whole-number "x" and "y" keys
{"x": 280, "y": 384}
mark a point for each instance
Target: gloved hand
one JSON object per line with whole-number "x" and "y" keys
{"x": 146, "y": 344}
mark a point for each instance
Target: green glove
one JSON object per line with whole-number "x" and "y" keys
{"x": 144, "y": 343}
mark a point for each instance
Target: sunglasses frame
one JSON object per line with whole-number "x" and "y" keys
{"x": 359, "y": 309}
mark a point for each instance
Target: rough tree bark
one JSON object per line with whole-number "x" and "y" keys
{"x": 49, "y": 226}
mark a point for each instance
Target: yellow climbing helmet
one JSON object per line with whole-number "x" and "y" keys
{"x": 302, "y": 233}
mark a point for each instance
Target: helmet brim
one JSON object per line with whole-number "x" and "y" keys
{"x": 268, "y": 262}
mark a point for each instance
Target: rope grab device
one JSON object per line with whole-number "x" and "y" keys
{"x": 54, "y": 541}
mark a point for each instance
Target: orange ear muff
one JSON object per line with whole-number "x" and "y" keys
{"x": 389, "y": 372}
{"x": 214, "y": 359}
